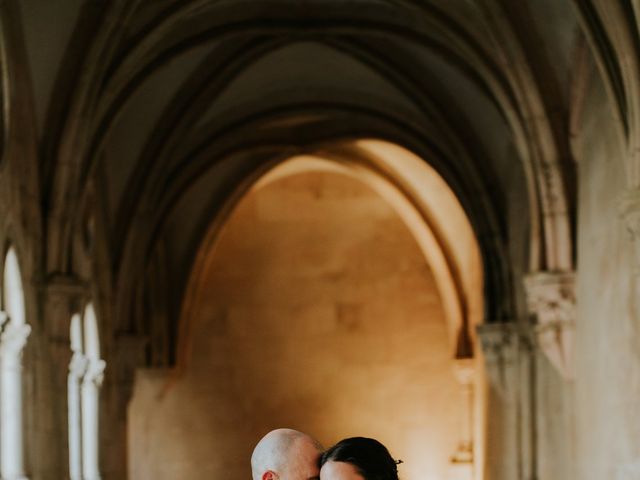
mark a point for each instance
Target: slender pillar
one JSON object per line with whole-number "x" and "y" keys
{"x": 462, "y": 465}
{"x": 90, "y": 389}
{"x": 12, "y": 342}
{"x": 500, "y": 346}
{"x": 77, "y": 370}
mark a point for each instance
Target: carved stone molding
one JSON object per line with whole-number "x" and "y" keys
{"x": 78, "y": 365}
{"x": 500, "y": 348}
{"x": 551, "y": 299}
{"x": 12, "y": 341}
{"x": 94, "y": 373}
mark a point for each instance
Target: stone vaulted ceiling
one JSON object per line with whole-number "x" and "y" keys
{"x": 148, "y": 115}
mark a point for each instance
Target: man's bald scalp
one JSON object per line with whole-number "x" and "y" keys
{"x": 272, "y": 451}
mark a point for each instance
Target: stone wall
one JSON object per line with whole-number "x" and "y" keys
{"x": 608, "y": 340}
{"x": 317, "y": 311}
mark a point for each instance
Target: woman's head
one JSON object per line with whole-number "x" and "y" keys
{"x": 358, "y": 458}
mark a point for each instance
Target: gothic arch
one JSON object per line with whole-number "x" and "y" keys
{"x": 419, "y": 196}
{"x": 521, "y": 99}
{"x": 255, "y": 155}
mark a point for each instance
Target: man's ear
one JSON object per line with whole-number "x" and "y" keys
{"x": 270, "y": 475}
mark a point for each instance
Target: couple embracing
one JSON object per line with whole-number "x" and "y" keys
{"x": 286, "y": 454}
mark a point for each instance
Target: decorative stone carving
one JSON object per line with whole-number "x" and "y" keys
{"x": 12, "y": 341}
{"x": 551, "y": 299}
{"x": 94, "y": 373}
{"x": 78, "y": 365}
{"x": 500, "y": 348}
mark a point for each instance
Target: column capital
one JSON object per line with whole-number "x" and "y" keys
{"x": 94, "y": 373}
{"x": 78, "y": 365}
{"x": 500, "y": 345}
{"x": 551, "y": 300}
{"x": 499, "y": 341}
{"x": 13, "y": 339}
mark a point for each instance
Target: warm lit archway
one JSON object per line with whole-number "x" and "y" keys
{"x": 419, "y": 196}
{"x": 435, "y": 223}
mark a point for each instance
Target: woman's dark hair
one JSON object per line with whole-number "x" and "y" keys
{"x": 371, "y": 459}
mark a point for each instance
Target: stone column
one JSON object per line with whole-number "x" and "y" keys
{"x": 499, "y": 343}
{"x": 551, "y": 299}
{"x": 63, "y": 296}
{"x": 500, "y": 347}
{"x": 462, "y": 465}
{"x": 91, "y": 382}
{"x": 528, "y": 410}
{"x": 77, "y": 370}
{"x": 12, "y": 341}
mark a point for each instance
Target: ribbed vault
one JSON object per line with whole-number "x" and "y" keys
{"x": 150, "y": 115}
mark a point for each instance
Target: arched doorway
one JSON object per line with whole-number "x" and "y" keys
{"x": 330, "y": 301}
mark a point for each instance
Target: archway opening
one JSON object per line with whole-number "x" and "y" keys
{"x": 331, "y": 301}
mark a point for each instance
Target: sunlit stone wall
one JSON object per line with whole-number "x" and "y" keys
{"x": 317, "y": 311}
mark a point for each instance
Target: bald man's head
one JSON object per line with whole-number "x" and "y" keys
{"x": 286, "y": 454}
